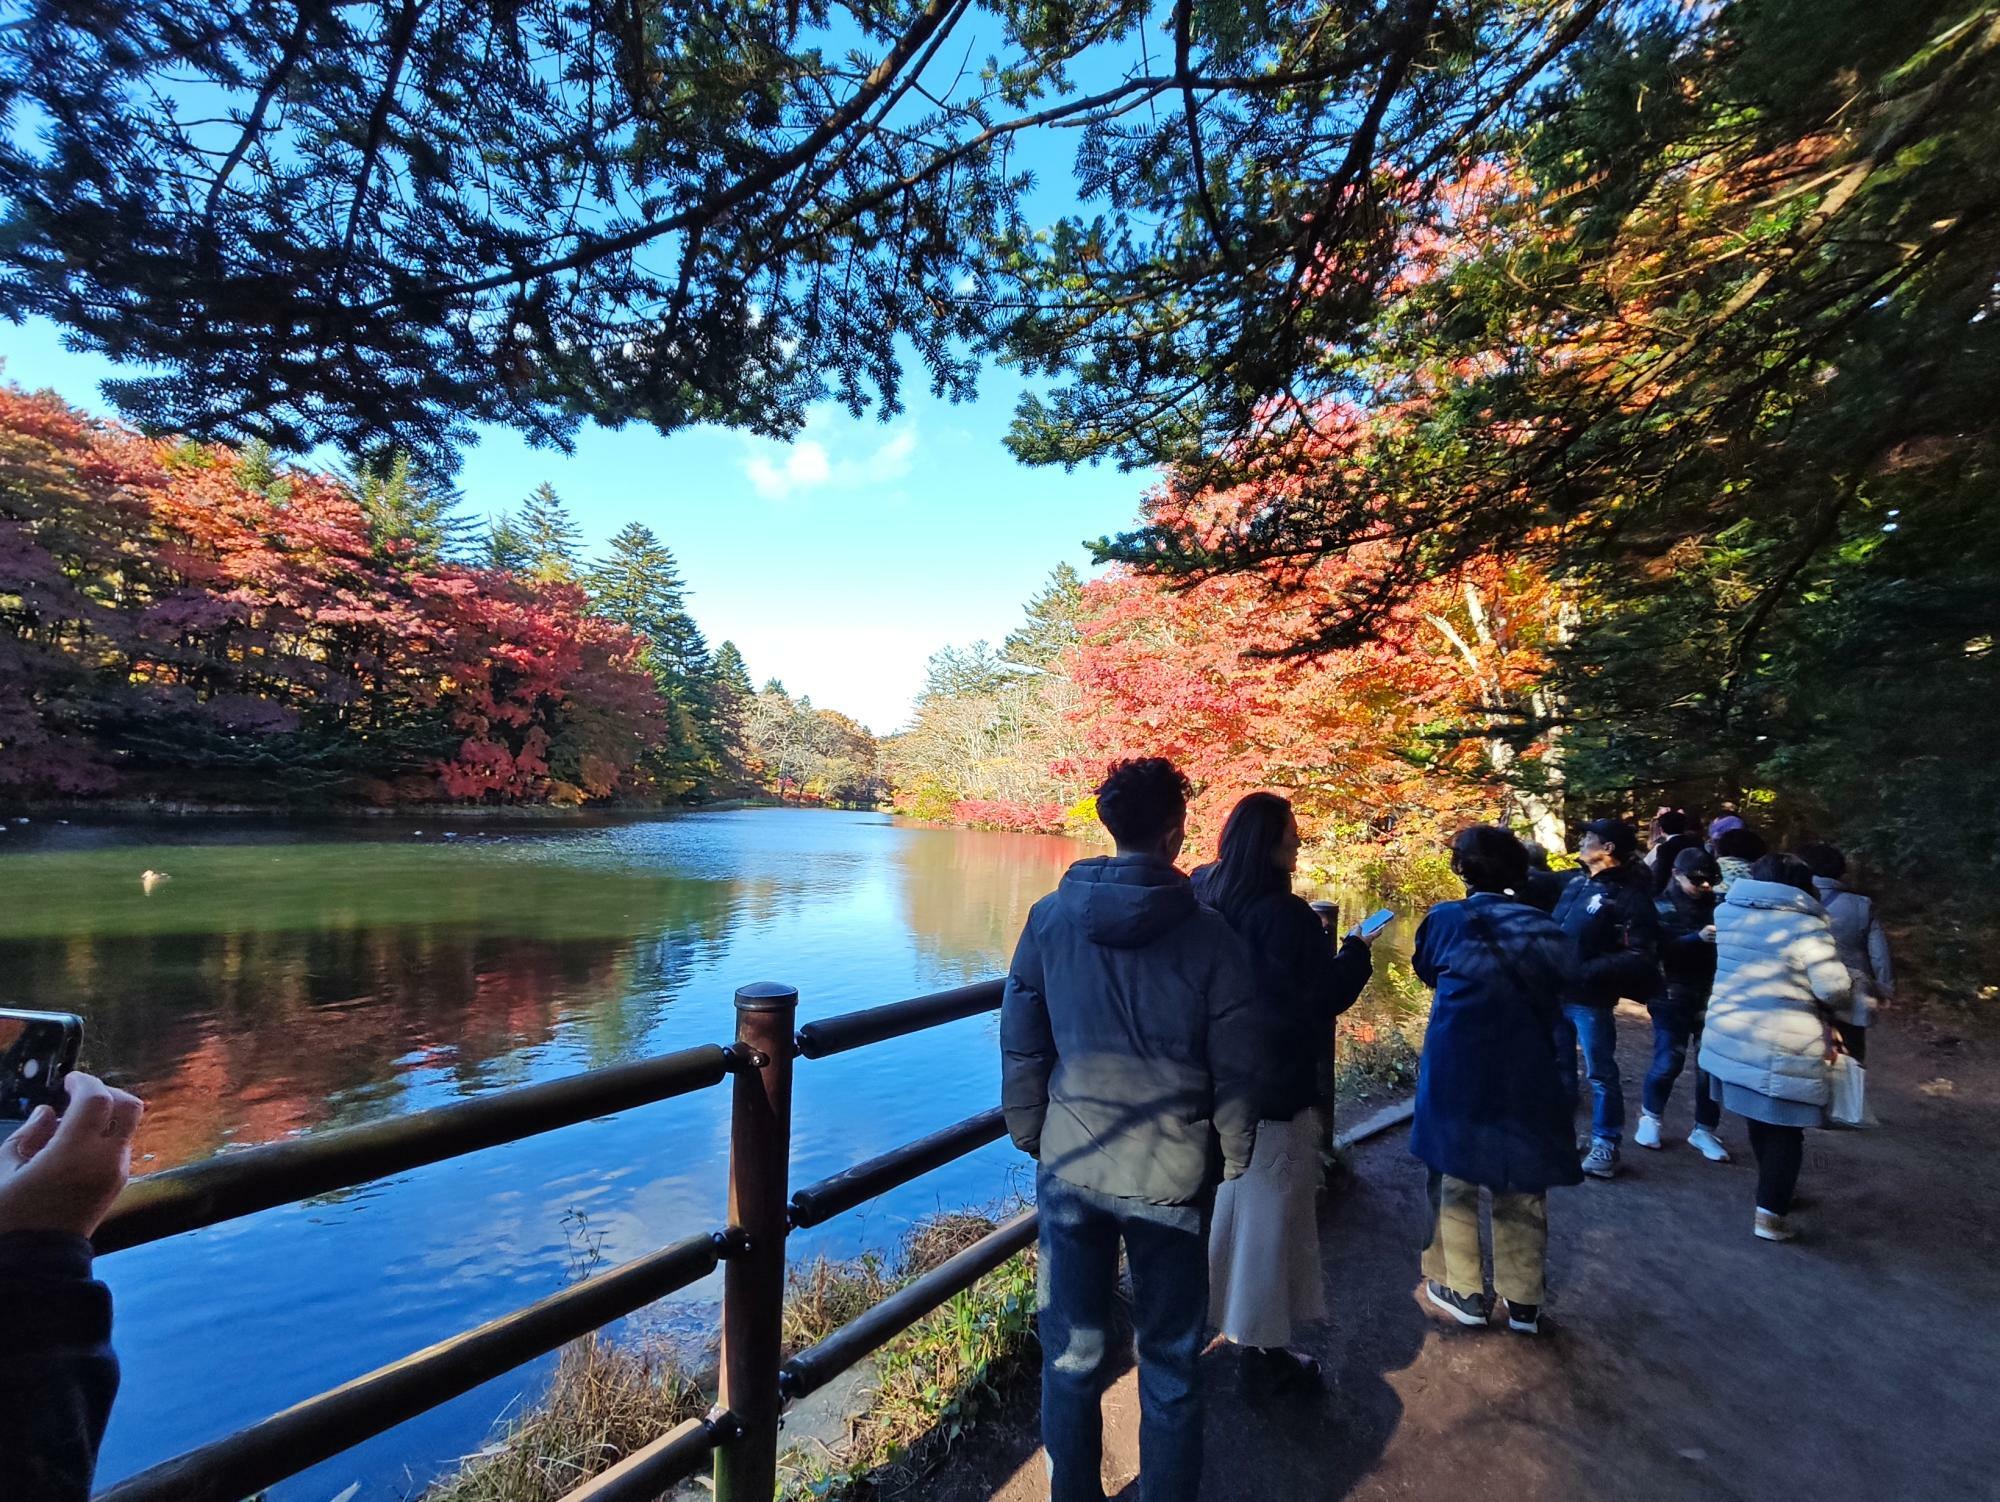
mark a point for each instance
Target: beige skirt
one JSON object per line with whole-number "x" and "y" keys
{"x": 1263, "y": 1249}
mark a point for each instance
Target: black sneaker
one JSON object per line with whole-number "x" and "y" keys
{"x": 1466, "y": 1308}
{"x": 1526, "y": 1318}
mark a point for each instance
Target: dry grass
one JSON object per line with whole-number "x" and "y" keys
{"x": 934, "y": 1242}
{"x": 933, "y": 1381}
{"x": 605, "y": 1402}
{"x": 823, "y": 1295}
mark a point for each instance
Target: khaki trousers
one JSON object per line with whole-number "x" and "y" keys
{"x": 1520, "y": 1241}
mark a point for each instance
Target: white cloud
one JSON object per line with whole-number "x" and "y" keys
{"x": 804, "y": 466}
{"x": 833, "y": 454}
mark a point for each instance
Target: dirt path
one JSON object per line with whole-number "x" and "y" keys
{"x": 1685, "y": 1359}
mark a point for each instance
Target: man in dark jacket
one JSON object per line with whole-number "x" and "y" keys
{"x": 1673, "y": 832}
{"x": 58, "y": 1177}
{"x": 1130, "y": 1065}
{"x": 1687, "y": 959}
{"x": 1614, "y": 934}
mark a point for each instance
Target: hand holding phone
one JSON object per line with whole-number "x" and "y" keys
{"x": 62, "y": 1173}
{"x": 1373, "y": 924}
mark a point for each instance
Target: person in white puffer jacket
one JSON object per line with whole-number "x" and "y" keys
{"x": 1864, "y": 947}
{"x": 1779, "y": 985}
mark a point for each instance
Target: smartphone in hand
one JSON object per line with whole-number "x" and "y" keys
{"x": 37, "y": 1052}
{"x": 1374, "y": 923}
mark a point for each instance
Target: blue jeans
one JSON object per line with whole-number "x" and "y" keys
{"x": 1596, "y": 1028}
{"x": 1675, "y": 1030}
{"x": 1167, "y": 1247}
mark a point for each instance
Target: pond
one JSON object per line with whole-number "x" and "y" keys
{"x": 291, "y": 978}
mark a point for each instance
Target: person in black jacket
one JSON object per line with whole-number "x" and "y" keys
{"x": 1131, "y": 1060}
{"x": 58, "y": 1177}
{"x": 1543, "y": 888}
{"x": 1263, "y": 1263}
{"x": 1673, "y": 832}
{"x": 1614, "y": 934}
{"x": 1687, "y": 960}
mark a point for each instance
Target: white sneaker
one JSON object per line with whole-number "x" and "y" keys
{"x": 1648, "y": 1134}
{"x": 1704, "y": 1141}
{"x": 1773, "y": 1227}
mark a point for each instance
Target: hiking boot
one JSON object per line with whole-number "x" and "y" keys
{"x": 1774, "y": 1227}
{"x": 1601, "y": 1162}
{"x": 1648, "y": 1134}
{"x": 1466, "y": 1308}
{"x": 1526, "y": 1318}
{"x": 1704, "y": 1141}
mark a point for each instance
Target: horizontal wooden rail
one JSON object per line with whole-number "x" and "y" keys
{"x": 741, "y": 1431}
{"x": 818, "y": 1365}
{"x": 646, "y": 1474}
{"x": 244, "y": 1463}
{"x": 817, "y": 1203}
{"x": 832, "y": 1035}
{"x": 185, "y": 1199}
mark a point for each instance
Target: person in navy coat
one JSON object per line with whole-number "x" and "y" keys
{"x": 1491, "y": 1110}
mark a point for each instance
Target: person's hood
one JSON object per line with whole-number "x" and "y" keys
{"x": 1125, "y": 901}
{"x": 1775, "y": 895}
{"x": 1829, "y": 885}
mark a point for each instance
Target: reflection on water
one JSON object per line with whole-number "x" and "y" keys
{"x": 291, "y": 979}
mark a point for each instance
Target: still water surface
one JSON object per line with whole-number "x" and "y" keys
{"x": 290, "y": 979}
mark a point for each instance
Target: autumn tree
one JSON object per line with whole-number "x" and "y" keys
{"x": 182, "y": 618}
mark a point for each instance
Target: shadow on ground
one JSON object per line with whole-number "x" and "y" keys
{"x": 1684, "y": 1359}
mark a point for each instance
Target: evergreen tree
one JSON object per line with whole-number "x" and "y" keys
{"x": 550, "y": 536}
{"x": 257, "y": 469}
{"x": 733, "y": 693}
{"x": 730, "y": 671}
{"x": 506, "y": 544}
{"x": 411, "y": 517}
{"x": 1050, "y": 627}
{"x": 639, "y": 585}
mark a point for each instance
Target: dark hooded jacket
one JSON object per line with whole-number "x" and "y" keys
{"x": 1128, "y": 1035}
{"x": 57, "y": 1375}
{"x": 1490, "y": 1103}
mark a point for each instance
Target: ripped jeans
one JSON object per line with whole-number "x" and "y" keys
{"x": 1167, "y": 1247}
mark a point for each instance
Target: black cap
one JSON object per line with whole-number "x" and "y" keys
{"x": 1620, "y": 836}
{"x": 1697, "y": 862}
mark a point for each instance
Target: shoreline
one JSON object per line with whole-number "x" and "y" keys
{"x": 133, "y": 810}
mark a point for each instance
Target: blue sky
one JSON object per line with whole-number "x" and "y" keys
{"x": 838, "y": 563}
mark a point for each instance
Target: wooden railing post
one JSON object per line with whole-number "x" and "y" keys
{"x": 753, "y": 1280}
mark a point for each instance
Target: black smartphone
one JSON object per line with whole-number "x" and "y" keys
{"x": 37, "y": 1052}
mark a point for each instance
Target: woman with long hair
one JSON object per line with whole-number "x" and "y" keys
{"x": 1264, "y": 1268}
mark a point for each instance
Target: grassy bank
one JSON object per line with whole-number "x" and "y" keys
{"x": 933, "y": 1382}
{"x": 929, "y": 1385}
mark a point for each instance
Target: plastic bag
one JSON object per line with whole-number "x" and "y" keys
{"x": 1849, "y": 1105}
